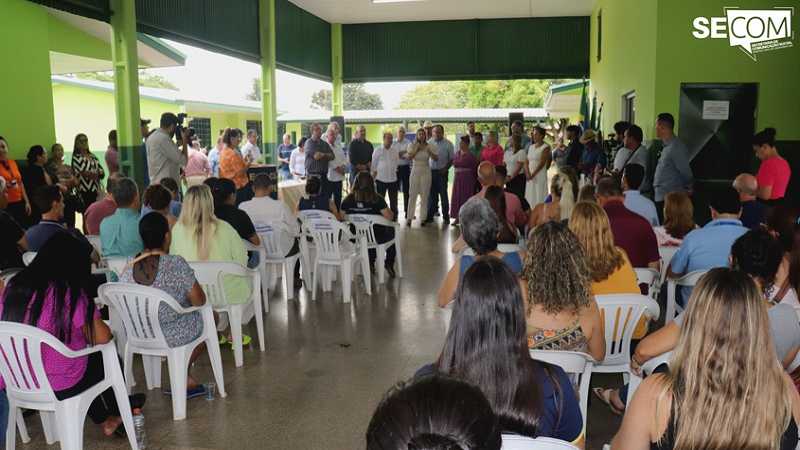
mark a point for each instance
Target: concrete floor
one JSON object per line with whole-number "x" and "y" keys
{"x": 326, "y": 366}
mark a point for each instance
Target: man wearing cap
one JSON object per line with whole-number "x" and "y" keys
{"x": 359, "y": 153}
{"x": 250, "y": 148}
{"x": 428, "y": 127}
{"x": 145, "y": 132}
{"x": 673, "y": 172}
{"x": 593, "y": 155}
{"x": 164, "y": 158}
{"x": 440, "y": 169}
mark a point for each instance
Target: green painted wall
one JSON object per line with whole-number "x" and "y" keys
{"x": 26, "y": 103}
{"x": 623, "y": 67}
{"x": 683, "y": 58}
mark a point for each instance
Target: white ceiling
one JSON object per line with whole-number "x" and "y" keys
{"x": 364, "y": 11}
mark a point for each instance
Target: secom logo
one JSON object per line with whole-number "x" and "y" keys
{"x": 754, "y": 31}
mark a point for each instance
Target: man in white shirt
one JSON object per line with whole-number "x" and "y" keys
{"x": 401, "y": 145}
{"x": 264, "y": 211}
{"x": 632, "y": 178}
{"x": 164, "y": 159}
{"x": 384, "y": 170}
{"x": 250, "y": 148}
{"x": 338, "y": 166}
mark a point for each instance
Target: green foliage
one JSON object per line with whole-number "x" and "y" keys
{"x": 355, "y": 98}
{"x": 476, "y": 94}
{"x": 145, "y": 79}
{"x": 255, "y": 90}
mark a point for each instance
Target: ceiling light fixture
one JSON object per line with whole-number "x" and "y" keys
{"x": 395, "y": 1}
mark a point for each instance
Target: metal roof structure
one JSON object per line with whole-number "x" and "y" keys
{"x": 564, "y": 100}
{"x": 400, "y": 115}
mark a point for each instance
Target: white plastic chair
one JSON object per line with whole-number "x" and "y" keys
{"x": 273, "y": 253}
{"x": 7, "y": 274}
{"x": 334, "y": 248}
{"x": 365, "y": 225}
{"x": 262, "y": 269}
{"x": 138, "y": 305}
{"x": 516, "y": 442}
{"x": 578, "y": 363}
{"x": 307, "y": 245}
{"x": 621, "y": 313}
{"x": 666, "y": 253}
{"x": 27, "y": 258}
{"x": 650, "y": 277}
{"x": 690, "y": 279}
{"x": 448, "y": 314}
{"x": 210, "y": 275}
{"x": 27, "y": 386}
{"x": 648, "y": 368}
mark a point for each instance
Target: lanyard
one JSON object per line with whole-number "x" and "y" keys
{"x": 7, "y": 166}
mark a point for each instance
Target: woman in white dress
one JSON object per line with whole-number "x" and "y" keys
{"x": 420, "y": 183}
{"x": 536, "y": 166}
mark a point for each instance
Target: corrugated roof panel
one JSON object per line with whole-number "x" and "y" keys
{"x": 303, "y": 41}
{"x": 93, "y": 9}
{"x": 553, "y": 47}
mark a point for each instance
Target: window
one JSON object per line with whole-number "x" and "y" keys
{"x": 629, "y": 107}
{"x": 599, "y": 33}
{"x": 202, "y": 128}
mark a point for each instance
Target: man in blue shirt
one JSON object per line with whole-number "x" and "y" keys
{"x": 213, "y": 157}
{"x": 632, "y": 177}
{"x": 284, "y": 154}
{"x": 440, "y": 171}
{"x": 51, "y": 204}
{"x": 754, "y": 213}
{"x": 673, "y": 172}
{"x": 119, "y": 233}
{"x": 710, "y": 246}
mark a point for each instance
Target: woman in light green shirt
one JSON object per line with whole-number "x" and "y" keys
{"x": 200, "y": 236}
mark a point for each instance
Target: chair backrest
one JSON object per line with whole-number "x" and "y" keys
{"x": 690, "y": 279}
{"x": 270, "y": 234}
{"x": 312, "y": 214}
{"x": 621, "y": 313}
{"x": 363, "y": 225}
{"x": 572, "y": 362}
{"x": 137, "y": 305}
{"x": 210, "y": 275}
{"x": 21, "y": 362}
{"x": 666, "y": 253}
{"x": 516, "y": 442}
{"x": 649, "y": 277}
{"x": 115, "y": 266}
{"x": 327, "y": 236}
{"x": 7, "y": 274}
{"x": 27, "y": 258}
{"x": 94, "y": 239}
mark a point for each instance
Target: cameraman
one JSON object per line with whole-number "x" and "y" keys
{"x": 164, "y": 158}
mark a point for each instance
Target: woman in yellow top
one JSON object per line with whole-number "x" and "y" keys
{"x": 609, "y": 268}
{"x": 200, "y": 236}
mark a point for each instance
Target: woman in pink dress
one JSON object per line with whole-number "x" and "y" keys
{"x": 774, "y": 173}
{"x": 466, "y": 165}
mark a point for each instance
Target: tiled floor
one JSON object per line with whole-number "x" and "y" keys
{"x": 326, "y": 366}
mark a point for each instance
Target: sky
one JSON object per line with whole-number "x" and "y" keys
{"x": 232, "y": 78}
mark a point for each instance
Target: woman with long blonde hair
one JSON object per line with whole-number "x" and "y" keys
{"x": 560, "y": 207}
{"x": 724, "y": 388}
{"x": 200, "y": 236}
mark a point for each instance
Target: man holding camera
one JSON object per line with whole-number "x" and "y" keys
{"x": 164, "y": 158}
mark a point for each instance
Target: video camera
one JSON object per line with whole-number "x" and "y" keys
{"x": 611, "y": 143}
{"x": 179, "y": 129}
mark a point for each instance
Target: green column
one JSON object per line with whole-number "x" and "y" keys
{"x": 336, "y": 68}
{"x": 269, "y": 108}
{"x": 126, "y": 88}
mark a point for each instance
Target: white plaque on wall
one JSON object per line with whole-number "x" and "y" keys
{"x": 715, "y": 110}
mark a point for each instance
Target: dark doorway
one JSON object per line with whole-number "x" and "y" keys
{"x": 717, "y": 122}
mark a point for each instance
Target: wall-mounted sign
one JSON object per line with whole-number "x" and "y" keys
{"x": 753, "y": 31}
{"x": 716, "y": 109}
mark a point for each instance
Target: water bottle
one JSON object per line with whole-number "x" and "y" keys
{"x": 138, "y": 427}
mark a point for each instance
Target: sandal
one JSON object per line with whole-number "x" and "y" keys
{"x": 605, "y": 396}
{"x": 245, "y": 341}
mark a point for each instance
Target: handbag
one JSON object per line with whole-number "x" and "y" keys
{"x": 75, "y": 201}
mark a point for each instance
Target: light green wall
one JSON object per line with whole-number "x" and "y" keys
{"x": 683, "y": 58}
{"x": 648, "y": 46}
{"x": 26, "y": 104}
{"x": 628, "y": 60}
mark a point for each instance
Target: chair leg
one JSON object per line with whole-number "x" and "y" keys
{"x": 288, "y": 277}
{"x": 152, "y": 371}
{"x": 70, "y": 427}
{"x": 216, "y": 362}
{"x": 399, "y": 259}
{"x": 178, "y": 364}
{"x": 380, "y": 261}
{"x": 347, "y": 280}
{"x": 259, "y": 324}
{"x": 128, "y": 363}
{"x": 314, "y": 281}
{"x": 235, "y": 316}
{"x": 23, "y": 430}
{"x": 50, "y": 426}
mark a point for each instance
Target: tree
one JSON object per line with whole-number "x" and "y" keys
{"x": 476, "y": 94}
{"x": 355, "y": 98}
{"x": 255, "y": 91}
{"x": 145, "y": 79}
